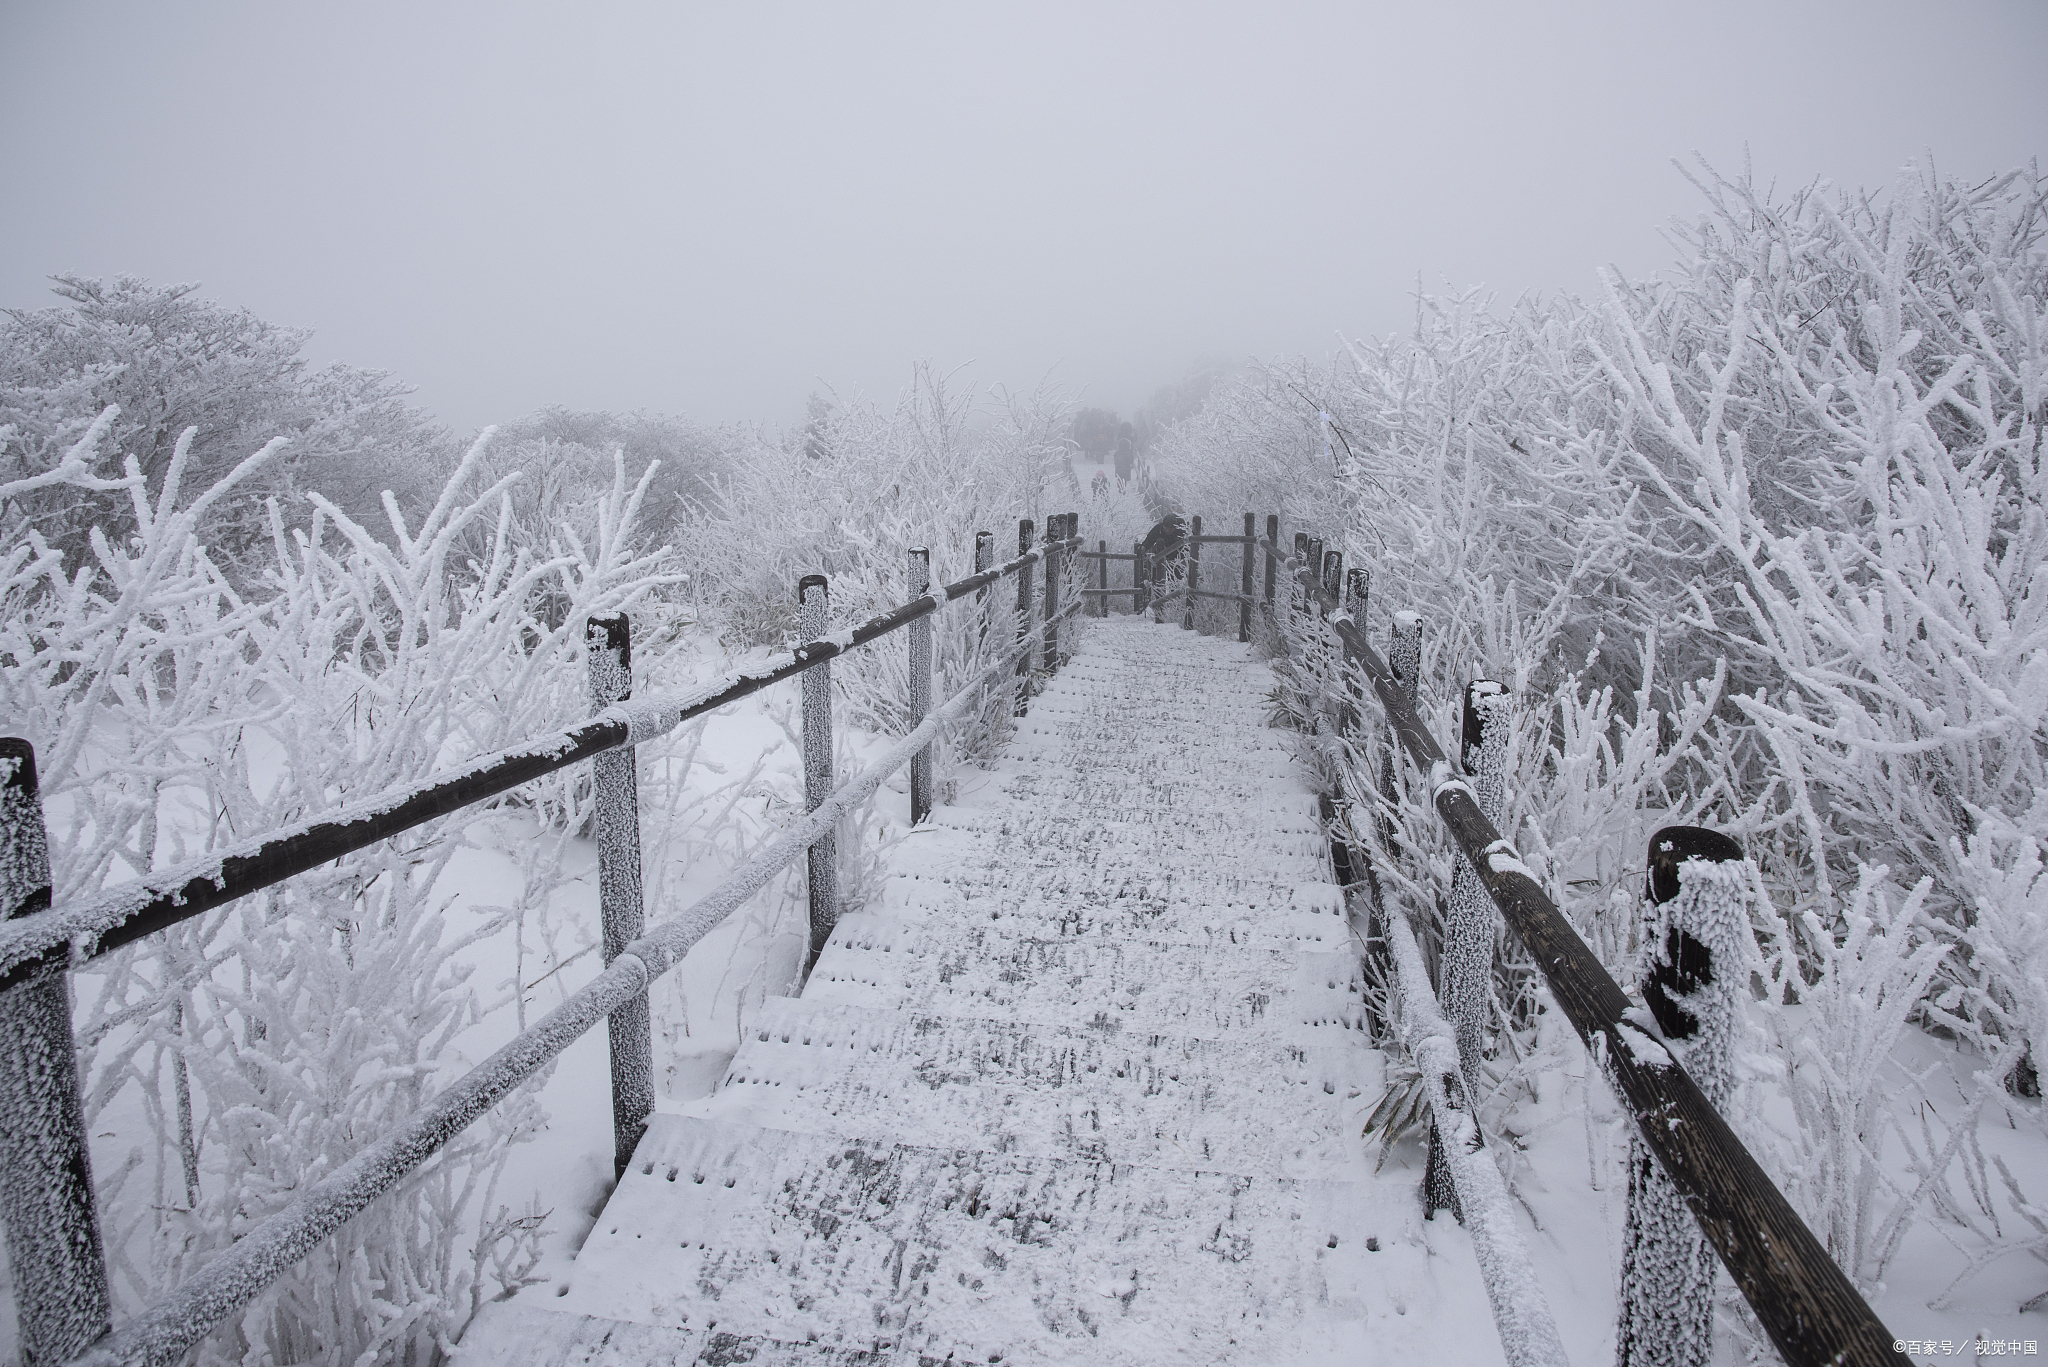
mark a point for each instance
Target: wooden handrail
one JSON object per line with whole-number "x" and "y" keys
{"x": 162, "y": 1333}
{"x": 81, "y": 931}
{"x": 1807, "y": 1304}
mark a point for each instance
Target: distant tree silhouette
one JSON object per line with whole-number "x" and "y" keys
{"x": 1095, "y": 432}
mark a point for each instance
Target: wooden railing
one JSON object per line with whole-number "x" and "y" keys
{"x": 1808, "y": 1306}
{"x": 1151, "y": 573}
{"x": 46, "y": 1194}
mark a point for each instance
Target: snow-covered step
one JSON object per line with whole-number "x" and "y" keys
{"x": 1160, "y": 729}
{"x": 1200, "y": 990}
{"x": 1229, "y": 1105}
{"x": 1078, "y": 903}
{"x": 1136, "y": 827}
{"x": 1145, "y": 800}
{"x": 528, "y": 1333}
{"x": 1219, "y": 762}
{"x": 974, "y": 1257}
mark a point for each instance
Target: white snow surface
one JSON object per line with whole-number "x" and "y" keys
{"x": 1085, "y": 1085}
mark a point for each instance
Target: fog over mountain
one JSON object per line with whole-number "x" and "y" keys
{"x": 714, "y": 210}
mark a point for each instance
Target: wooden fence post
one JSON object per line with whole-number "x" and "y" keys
{"x": 1404, "y": 660}
{"x": 1102, "y": 581}
{"x": 1379, "y": 964}
{"x": 1187, "y": 617}
{"x": 1156, "y": 565}
{"x": 1141, "y": 597}
{"x": 984, "y": 559}
{"x": 1357, "y": 587}
{"x": 1296, "y": 594}
{"x": 1272, "y": 560}
{"x": 1055, "y": 563}
{"x": 1467, "y": 958}
{"x": 814, "y": 617}
{"x": 621, "y": 907}
{"x": 1244, "y": 591}
{"x": 1404, "y": 655}
{"x": 920, "y": 633}
{"x": 1024, "y": 537}
{"x": 46, "y": 1196}
{"x": 1699, "y": 905}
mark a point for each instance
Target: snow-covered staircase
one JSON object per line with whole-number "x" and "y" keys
{"x": 1087, "y": 1087}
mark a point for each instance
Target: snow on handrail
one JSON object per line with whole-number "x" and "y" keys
{"x": 1812, "y": 1311}
{"x": 162, "y": 1333}
{"x": 1521, "y": 1313}
{"x": 80, "y": 931}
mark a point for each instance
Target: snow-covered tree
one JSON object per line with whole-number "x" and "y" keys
{"x": 170, "y": 361}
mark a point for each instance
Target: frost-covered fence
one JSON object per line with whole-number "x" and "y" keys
{"x": 1152, "y": 572}
{"x": 1528, "y": 1335}
{"x": 1809, "y": 1307}
{"x": 1691, "y": 970}
{"x": 821, "y": 885}
{"x": 1100, "y": 592}
{"x": 45, "y": 1180}
{"x": 1465, "y": 961}
{"x": 621, "y": 905}
{"x": 53, "y": 1229}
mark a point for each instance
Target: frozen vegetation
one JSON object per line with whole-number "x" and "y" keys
{"x": 1756, "y": 546}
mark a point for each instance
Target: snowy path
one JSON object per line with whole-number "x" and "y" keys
{"x": 1087, "y": 1087}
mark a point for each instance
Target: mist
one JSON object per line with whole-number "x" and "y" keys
{"x": 715, "y": 211}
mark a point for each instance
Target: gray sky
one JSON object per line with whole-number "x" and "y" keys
{"x": 710, "y": 210}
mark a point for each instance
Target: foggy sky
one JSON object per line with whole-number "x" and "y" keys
{"x": 712, "y": 210}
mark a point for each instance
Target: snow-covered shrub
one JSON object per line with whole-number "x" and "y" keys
{"x": 171, "y": 361}
{"x": 565, "y": 462}
{"x": 1842, "y": 407}
{"x": 1804, "y": 470}
{"x": 1453, "y": 465}
{"x": 1839, "y": 996}
{"x": 266, "y": 1041}
{"x": 848, "y": 500}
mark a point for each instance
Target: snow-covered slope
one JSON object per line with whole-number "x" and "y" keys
{"x": 1086, "y": 1086}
